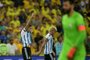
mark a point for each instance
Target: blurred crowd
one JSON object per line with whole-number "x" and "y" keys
{"x": 14, "y": 15}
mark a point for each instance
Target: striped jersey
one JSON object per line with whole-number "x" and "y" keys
{"x": 26, "y": 37}
{"x": 49, "y": 45}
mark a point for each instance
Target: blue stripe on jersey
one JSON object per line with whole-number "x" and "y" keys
{"x": 46, "y": 48}
{"x": 51, "y": 43}
{"x": 25, "y": 40}
{"x": 49, "y": 46}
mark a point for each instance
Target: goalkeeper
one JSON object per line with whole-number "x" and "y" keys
{"x": 74, "y": 33}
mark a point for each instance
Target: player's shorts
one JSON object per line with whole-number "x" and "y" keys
{"x": 49, "y": 57}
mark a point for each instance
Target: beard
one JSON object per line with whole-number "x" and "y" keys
{"x": 67, "y": 11}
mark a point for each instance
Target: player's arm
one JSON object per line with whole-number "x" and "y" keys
{"x": 54, "y": 50}
{"x": 82, "y": 32}
{"x": 45, "y": 40}
{"x": 81, "y": 38}
{"x": 28, "y": 22}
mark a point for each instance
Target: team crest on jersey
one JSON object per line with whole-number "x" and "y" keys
{"x": 70, "y": 25}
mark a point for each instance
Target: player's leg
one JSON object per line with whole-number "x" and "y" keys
{"x": 29, "y": 53}
{"x": 80, "y": 53}
{"x": 23, "y": 53}
{"x": 26, "y": 56}
{"x": 52, "y": 56}
{"x": 62, "y": 57}
{"x": 64, "y": 53}
{"x": 47, "y": 57}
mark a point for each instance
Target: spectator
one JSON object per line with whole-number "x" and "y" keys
{"x": 3, "y": 37}
{"x": 88, "y": 45}
{"x": 2, "y": 26}
{"x": 57, "y": 2}
{"x": 36, "y": 21}
{"x": 15, "y": 22}
{"x": 47, "y": 1}
{"x": 22, "y": 17}
{"x": 44, "y": 28}
{"x": 26, "y": 3}
{"x": 58, "y": 45}
{"x": 18, "y": 45}
{"x": 38, "y": 38}
{"x": 37, "y": 30}
{"x": 3, "y": 49}
{"x": 88, "y": 23}
{"x": 1, "y": 5}
{"x": 87, "y": 4}
{"x": 82, "y": 5}
{"x": 18, "y": 3}
{"x": 77, "y": 6}
{"x": 59, "y": 24}
{"x": 15, "y": 13}
{"x": 12, "y": 49}
{"x": 9, "y": 33}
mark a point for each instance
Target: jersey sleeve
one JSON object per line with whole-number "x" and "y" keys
{"x": 81, "y": 30}
{"x": 46, "y": 37}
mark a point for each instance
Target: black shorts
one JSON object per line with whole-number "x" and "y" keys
{"x": 49, "y": 57}
{"x": 26, "y": 52}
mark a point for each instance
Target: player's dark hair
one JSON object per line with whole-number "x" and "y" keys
{"x": 70, "y": 1}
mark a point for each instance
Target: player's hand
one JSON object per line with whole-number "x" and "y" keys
{"x": 71, "y": 53}
{"x": 54, "y": 54}
{"x": 29, "y": 46}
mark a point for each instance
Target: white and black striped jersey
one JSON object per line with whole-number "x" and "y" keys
{"x": 49, "y": 45}
{"x": 26, "y": 37}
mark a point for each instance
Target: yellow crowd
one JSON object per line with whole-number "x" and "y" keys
{"x": 48, "y": 17}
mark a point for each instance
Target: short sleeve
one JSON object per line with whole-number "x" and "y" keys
{"x": 47, "y": 37}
